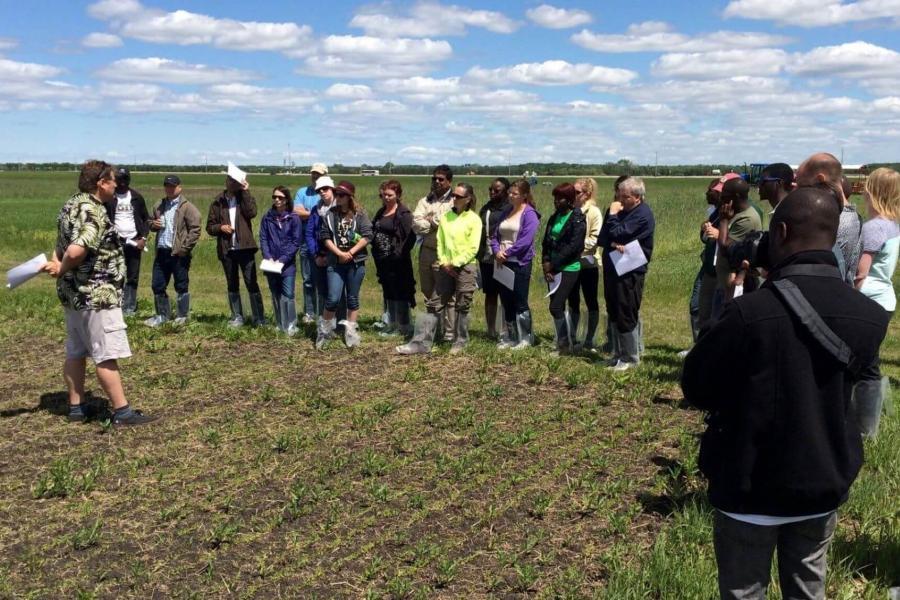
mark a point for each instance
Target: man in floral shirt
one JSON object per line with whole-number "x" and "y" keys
{"x": 89, "y": 267}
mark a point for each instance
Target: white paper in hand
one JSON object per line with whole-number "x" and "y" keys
{"x": 235, "y": 173}
{"x": 628, "y": 261}
{"x": 271, "y": 266}
{"x": 554, "y": 285}
{"x": 504, "y": 275}
{"x": 22, "y": 273}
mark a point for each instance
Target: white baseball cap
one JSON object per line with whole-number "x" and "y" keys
{"x": 324, "y": 182}
{"x": 319, "y": 168}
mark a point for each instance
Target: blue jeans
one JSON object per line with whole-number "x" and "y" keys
{"x": 307, "y": 275}
{"x": 281, "y": 285}
{"x": 167, "y": 266}
{"x": 344, "y": 279}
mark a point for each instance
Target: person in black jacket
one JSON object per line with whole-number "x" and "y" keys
{"x": 392, "y": 243}
{"x": 128, "y": 213}
{"x": 781, "y": 448}
{"x": 629, "y": 219}
{"x": 561, "y": 261}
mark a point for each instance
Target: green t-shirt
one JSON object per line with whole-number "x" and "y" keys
{"x": 555, "y": 230}
{"x": 741, "y": 225}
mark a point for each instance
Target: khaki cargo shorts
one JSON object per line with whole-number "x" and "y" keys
{"x": 99, "y": 334}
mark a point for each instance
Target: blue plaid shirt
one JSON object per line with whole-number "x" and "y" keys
{"x": 166, "y": 236}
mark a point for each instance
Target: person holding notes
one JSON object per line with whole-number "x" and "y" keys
{"x": 512, "y": 245}
{"x": 561, "y": 261}
{"x": 627, "y": 239}
{"x": 279, "y": 238}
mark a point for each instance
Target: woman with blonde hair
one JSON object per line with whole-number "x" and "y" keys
{"x": 589, "y": 275}
{"x": 877, "y": 263}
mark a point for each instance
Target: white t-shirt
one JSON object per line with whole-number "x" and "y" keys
{"x": 125, "y": 216}
{"x": 770, "y": 520}
{"x": 232, "y": 214}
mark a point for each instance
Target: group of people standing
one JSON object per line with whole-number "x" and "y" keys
{"x": 462, "y": 248}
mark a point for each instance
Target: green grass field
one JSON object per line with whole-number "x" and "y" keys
{"x": 278, "y": 471}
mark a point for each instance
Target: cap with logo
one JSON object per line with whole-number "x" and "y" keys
{"x": 172, "y": 180}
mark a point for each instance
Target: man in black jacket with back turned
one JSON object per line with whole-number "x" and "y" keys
{"x": 781, "y": 448}
{"x": 128, "y": 213}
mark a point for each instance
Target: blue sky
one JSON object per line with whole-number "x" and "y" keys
{"x": 730, "y": 81}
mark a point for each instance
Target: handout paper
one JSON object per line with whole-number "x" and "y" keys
{"x": 235, "y": 173}
{"x": 271, "y": 266}
{"x": 554, "y": 285}
{"x": 22, "y": 273}
{"x": 628, "y": 261}
{"x": 504, "y": 275}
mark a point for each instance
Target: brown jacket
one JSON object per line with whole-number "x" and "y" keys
{"x": 218, "y": 216}
{"x": 187, "y": 227}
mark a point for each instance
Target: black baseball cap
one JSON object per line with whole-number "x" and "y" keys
{"x": 172, "y": 180}
{"x": 123, "y": 175}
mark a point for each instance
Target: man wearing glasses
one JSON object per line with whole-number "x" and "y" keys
{"x": 426, "y": 217}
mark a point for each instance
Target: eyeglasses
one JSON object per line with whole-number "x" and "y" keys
{"x": 439, "y": 179}
{"x": 276, "y": 197}
{"x": 763, "y": 180}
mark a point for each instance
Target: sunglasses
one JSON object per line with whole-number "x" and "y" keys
{"x": 763, "y": 180}
{"x": 276, "y": 197}
{"x": 439, "y": 179}
{"x": 458, "y": 197}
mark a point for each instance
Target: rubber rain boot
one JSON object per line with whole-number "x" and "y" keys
{"x": 129, "y": 300}
{"x": 163, "y": 311}
{"x": 526, "y": 336}
{"x": 288, "y": 316}
{"x": 462, "y": 333}
{"x": 351, "y": 333}
{"x": 183, "y": 306}
{"x": 423, "y": 337}
{"x": 866, "y": 404}
{"x": 593, "y": 320}
{"x": 508, "y": 336}
{"x": 562, "y": 335}
{"x": 257, "y": 308}
{"x": 629, "y": 354}
{"x": 237, "y": 309}
{"x": 276, "y": 312}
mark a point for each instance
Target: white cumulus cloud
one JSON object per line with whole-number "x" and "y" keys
{"x": 8, "y": 43}
{"x": 346, "y": 91}
{"x": 164, "y": 70}
{"x": 129, "y": 18}
{"x": 657, "y": 36}
{"x": 101, "y": 40}
{"x": 375, "y": 57}
{"x": 720, "y": 64}
{"x": 427, "y": 19}
{"x": 814, "y": 13}
{"x": 370, "y": 107}
{"x": 552, "y": 17}
{"x": 553, "y": 72}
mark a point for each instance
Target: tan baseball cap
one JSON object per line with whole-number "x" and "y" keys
{"x": 319, "y": 168}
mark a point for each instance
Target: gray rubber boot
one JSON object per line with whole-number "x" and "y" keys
{"x": 325, "y": 332}
{"x": 388, "y": 319}
{"x": 237, "y": 310}
{"x": 866, "y": 404}
{"x": 449, "y": 321}
{"x": 629, "y": 354}
{"x": 129, "y": 300}
{"x": 257, "y": 307}
{"x": 609, "y": 346}
{"x": 163, "y": 311}
{"x": 562, "y": 334}
{"x": 423, "y": 337}
{"x": 183, "y": 306}
{"x": 593, "y": 320}
{"x": 640, "y": 336}
{"x": 523, "y": 324}
{"x": 462, "y": 333}
{"x": 288, "y": 316}
{"x": 572, "y": 320}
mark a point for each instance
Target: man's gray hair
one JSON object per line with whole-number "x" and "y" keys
{"x": 633, "y": 186}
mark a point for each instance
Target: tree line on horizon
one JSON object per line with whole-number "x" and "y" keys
{"x": 561, "y": 169}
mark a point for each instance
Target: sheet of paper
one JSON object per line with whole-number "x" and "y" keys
{"x": 235, "y": 173}
{"x": 504, "y": 276}
{"x": 22, "y": 273}
{"x": 738, "y": 291}
{"x": 629, "y": 260}
{"x": 554, "y": 285}
{"x": 271, "y": 266}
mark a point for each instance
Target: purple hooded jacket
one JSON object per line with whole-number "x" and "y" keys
{"x": 522, "y": 250}
{"x": 279, "y": 238}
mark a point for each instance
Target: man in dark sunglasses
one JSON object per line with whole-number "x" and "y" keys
{"x": 775, "y": 182}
